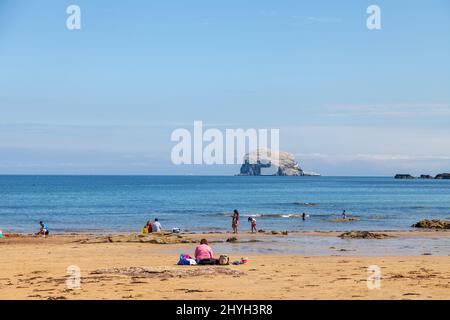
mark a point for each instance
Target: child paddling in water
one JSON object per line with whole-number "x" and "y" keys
{"x": 252, "y": 224}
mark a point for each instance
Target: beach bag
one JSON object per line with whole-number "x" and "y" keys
{"x": 224, "y": 260}
{"x": 186, "y": 260}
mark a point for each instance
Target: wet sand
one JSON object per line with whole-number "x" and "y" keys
{"x": 36, "y": 268}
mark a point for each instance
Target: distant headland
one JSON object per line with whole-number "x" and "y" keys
{"x": 423, "y": 176}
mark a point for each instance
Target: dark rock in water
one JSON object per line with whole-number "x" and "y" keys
{"x": 404, "y": 176}
{"x": 284, "y": 233}
{"x": 432, "y": 224}
{"x": 443, "y": 176}
{"x": 232, "y": 239}
{"x": 364, "y": 235}
{"x": 425, "y": 176}
{"x": 261, "y": 231}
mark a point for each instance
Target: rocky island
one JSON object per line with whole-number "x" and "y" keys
{"x": 404, "y": 176}
{"x": 443, "y": 176}
{"x": 276, "y": 163}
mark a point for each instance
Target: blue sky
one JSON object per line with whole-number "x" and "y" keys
{"x": 105, "y": 99}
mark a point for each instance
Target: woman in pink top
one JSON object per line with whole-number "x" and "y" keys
{"x": 204, "y": 252}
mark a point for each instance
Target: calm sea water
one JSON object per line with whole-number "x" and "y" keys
{"x": 124, "y": 203}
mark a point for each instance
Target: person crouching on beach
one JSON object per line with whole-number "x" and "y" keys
{"x": 235, "y": 221}
{"x": 157, "y": 226}
{"x": 204, "y": 253}
{"x": 252, "y": 223}
{"x": 44, "y": 230}
{"x": 148, "y": 228}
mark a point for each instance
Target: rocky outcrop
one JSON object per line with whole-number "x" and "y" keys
{"x": 155, "y": 238}
{"x": 253, "y": 169}
{"x": 277, "y": 163}
{"x": 404, "y": 176}
{"x": 363, "y": 235}
{"x": 432, "y": 224}
{"x": 423, "y": 176}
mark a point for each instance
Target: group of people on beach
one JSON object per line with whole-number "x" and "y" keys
{"x": 152, "y": 227}
{"x": 155, "y": 226}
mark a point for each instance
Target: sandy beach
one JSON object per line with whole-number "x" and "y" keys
{"x": 117, "y": 267}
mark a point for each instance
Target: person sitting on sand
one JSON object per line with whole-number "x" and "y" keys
{"x": 235, "y": 221}
{"x": 204, "y": 253}
{"x": 252, "y": 223}
{"x": 44, "y": 230}
{"x": 148, "y": 227}
{"x": 157, "y": 226}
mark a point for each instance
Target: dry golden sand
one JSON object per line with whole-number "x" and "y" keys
{"x": 35, "y": 268}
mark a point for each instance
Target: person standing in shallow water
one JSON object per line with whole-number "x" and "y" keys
{"x": 344, "y": 215}
{"x": 235, "y": 221}
{"x": 252, "y": 224}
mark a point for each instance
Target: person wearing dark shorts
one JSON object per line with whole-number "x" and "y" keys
{"x": 44, "y": 230}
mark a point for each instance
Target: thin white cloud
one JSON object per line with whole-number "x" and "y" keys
{"x": 391, "y": 110}
{"x": 324, "y": 19}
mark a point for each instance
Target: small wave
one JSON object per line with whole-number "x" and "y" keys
{"x": 275, "y": 215}
{"x": 306, "y": 204}
{"x": 261, "y": 215}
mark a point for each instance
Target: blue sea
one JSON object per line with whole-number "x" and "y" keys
{"x": 204, "y": 203}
